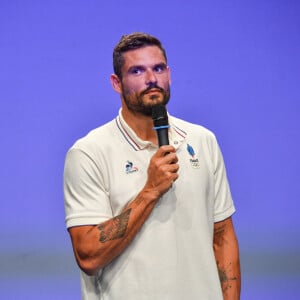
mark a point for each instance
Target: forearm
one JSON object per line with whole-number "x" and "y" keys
{"x": 100, "y": 244}
{"x": 96, "y": 246}
{"x": 227, "y": 259}
{"x": 229, "y": 274}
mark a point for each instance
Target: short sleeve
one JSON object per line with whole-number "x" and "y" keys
{"x": 224, "y": 206}
{"x": 86, "y": 199}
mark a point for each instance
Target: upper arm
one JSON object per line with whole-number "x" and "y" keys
{"x": 79, "y": 238}
{"x": 83, "y": 241}
{"x": 223, "y": 232}
{"x": 78, "y": 233}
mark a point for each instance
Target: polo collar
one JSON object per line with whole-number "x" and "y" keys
{"x": 176, "y": 135}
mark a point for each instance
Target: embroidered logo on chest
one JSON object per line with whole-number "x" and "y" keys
{"x": 194, "y": 160}
{"x": 130, "y": 168}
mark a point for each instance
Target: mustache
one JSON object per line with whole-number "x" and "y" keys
{"x": 153, "y": 86}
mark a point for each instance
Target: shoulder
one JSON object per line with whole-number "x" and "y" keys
{"x": 96, "y": 142}
{"x": 97, "y": 137}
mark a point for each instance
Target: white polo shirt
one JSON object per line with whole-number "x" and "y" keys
{"x": 172, "y": 256}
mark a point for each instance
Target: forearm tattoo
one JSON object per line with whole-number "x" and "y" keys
{"x": 224, "y": 278}
{"x": 115, "y": 228}
{"x": 224, "y": 270}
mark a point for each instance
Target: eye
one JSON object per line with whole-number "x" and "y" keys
{"x": 136, "y": 70}
{"x": 160, "y": 68}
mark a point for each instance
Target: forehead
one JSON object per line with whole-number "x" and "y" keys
{"x": 148, "y": 55}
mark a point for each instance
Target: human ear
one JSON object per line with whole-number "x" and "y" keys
{"x": 116, "y": 83}
{"x": 169, "y": 74}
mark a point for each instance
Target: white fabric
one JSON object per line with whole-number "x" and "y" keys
{"x": 172, "y": 256}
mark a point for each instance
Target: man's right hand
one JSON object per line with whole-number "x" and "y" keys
{"x": 95, "y": 246}
{"x": 162, "y": 170}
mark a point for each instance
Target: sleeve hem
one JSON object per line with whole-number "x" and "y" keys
{"x": 225, "y": 214}
{"x": 82, "y": 221}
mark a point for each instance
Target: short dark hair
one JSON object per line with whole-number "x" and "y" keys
{"x": 133, "y": 41}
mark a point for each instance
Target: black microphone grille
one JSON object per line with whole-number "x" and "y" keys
{"x": 159, "y": 115}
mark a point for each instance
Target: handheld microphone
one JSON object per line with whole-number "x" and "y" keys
{"x": 161, "y": 124}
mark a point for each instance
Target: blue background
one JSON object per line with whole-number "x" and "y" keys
{"x": 235, "y": 69}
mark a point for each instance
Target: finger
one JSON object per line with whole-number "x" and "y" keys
{"x": 165, "y": 150}
{"x": 171, "y": 158}
{"x": 173, "y": 176}
{"x": 173, "y": 168}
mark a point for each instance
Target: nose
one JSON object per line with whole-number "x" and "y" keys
{"x": 150, "y": 77}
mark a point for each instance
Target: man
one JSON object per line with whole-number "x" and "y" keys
{"x": 150, "y": 222}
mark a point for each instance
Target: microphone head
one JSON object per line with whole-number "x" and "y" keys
{"x": 159, "y": 115}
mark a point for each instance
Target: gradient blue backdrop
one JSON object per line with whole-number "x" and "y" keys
{"x": 235, "y": 69}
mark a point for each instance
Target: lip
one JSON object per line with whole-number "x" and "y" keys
{"x": 152, "y": 91}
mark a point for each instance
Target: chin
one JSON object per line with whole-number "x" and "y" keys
{"x": 147, "y": 110}
{"x": 155, "y": 100}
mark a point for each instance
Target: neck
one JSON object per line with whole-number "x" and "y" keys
{"x": 141, "y": 125}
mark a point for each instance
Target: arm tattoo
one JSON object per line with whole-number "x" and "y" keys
{"x": 218, "y": 235}
{"x": 219, "y": 230}
{"x": 224, "y": 279}
{"x": 115, "y": 228}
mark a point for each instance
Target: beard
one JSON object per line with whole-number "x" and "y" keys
{"x": 136, "y": 104}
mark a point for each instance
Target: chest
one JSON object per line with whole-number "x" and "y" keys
{"x": 126, "y": 175}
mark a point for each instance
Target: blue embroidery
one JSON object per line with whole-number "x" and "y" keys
{"x": 190, "y": 150}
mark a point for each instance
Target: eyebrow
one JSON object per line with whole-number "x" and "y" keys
{"x": 161, "y": 64}
{"x": 136, "y": 67}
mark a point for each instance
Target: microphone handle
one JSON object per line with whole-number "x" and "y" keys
{"x": 162, "y": 136}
